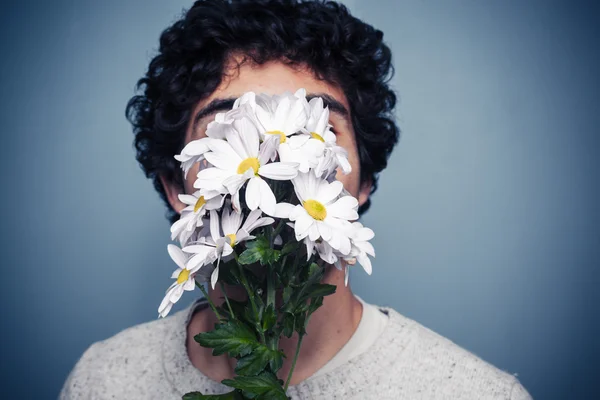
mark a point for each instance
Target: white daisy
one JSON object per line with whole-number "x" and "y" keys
{"x": 281, "y": 115}
{"x": 302, "y": 149}
{"x": 231, "y": 222}
{"x": 239, "y": 159}
{"x": 184, "y": 280}
{"x": 192, "y": 153}
{"x": 243, "y": 107}
{"x": 321, "y": 214}
{"x": 319, "y": 128}
{"x": 224, "y": 235}
{"x": 191, "y": 216}
{"x": 361, "y": 248}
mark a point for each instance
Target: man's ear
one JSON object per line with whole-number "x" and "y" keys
{"x": 365, "y": 191}
{"x": 172, "y": 190}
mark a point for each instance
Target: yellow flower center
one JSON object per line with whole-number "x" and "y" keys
{"x": 315, "y": 135}
{"x": 232, "y": 238}
{"x": 315, "y": 209}
{"x": 199, "y": 203}
{"x": 183, "y": 276}
{"x": 282, "y": 137}
{"x": 251, "y": 162}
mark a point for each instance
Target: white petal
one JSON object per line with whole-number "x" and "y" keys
{"x": 280, "y": 171}
{"x": 235, "y": 202}
{"x": 297, "y": 141}
{"x": 177, "y": 255}
{"x": 214, "y": 277}
{"x": 283, "y": 210}
{"x": 187, "y": 199}
{"x": 364, "y": 234}
{"x": 313, "y": 232}
{"x": 165, "y": 307}
{"x": 197, "y": 260}
{"x": 189, "y": 285}
{"x": 366, "y": 247}
{"x": 214, "y": 202}
{"x": 231, "y": 221}
{"x": 176, "y": 294}
{"x": 365, "y": 262}
{"x": 344, "y": 164}
{"x": 235, "y": 182}
{"x": 297, "y": 212}
{"x": 234, "y": 139}
{"x": 344, "y": 208}
{"x": 251, "y": 219}
{"x": 303, "y": 224}
{"x": 248, "y": 135}
{"x": 196, "y": 147}
{"x": 210, "y": 178}
{"x": 214, "y": 225}
{"x": 346, "y": 276}
{"x": 253, "y": 193}
{"x": 344, "y": 244}
{"x": 267, "y": 198}
{"x": 223, "y": 161}
{"x": 223, "y": 148}
{"x": 329, "y": 191}
{"x": 324, "y": 231}
{"x": 301, "y": 187}
{"x": 268, "y": 149}
{"x": 177, "y": 227}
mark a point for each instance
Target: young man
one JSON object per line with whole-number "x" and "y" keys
{"x": 353, "y": 350}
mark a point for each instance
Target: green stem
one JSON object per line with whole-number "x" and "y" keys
{"x": 289, "y": 378}
{"x": 270, "y": 288}
{"x": 212, "y": 305}
{"x": 277, "y": 230}
{"x": 251, "y": 298}
{"x": 227, "y": 300}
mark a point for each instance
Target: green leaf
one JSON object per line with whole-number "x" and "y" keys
{"x": 273, "y": 394}
{"x": 300, "y": 323}
{"x": 315, "y": 303}
{"x": 319, "y": 290}
{"x": 313, "y": 268}
{"x": 266, "y": 385}
{"x": 276, "y": 362}
{"x": 259, "y": 250}
{"x": 234, "y": 338}
{"x": 234, "y": 395}
{"x": 255, "y": 362}
{"x": 289, "y": 247}
{"x": 269, "y": 318}
{"x": 249, "y": 256}
{"x": 288, "y": 324}
{"x": 287, "y": 293}
{"x": 297, "y": 302}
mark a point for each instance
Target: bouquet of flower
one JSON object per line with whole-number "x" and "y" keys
{"x": 268, "y": 216}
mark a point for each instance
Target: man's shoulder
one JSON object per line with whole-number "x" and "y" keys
{"x": 438, "y": 367}
{"x": 121, "y": 362}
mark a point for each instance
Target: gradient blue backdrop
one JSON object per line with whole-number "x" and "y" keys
{"x": 487, "y": 219}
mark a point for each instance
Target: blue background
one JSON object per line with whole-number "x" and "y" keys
{"x": 487, "y": 218}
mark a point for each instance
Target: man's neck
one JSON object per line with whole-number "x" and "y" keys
{"x": 328, "y": 330}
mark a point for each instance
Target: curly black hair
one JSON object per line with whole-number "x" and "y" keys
{"x": 321, "y": 35}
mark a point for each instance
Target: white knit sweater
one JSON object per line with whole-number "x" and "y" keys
{"x": 409, "y": 361}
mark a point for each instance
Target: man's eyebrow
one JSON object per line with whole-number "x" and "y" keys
{"x": 329, "y": 101}
{"x": 218, "y": 105}
{"x": 213, "y": 107}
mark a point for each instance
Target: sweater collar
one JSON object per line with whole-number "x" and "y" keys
{"x": 359, "y": 371}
